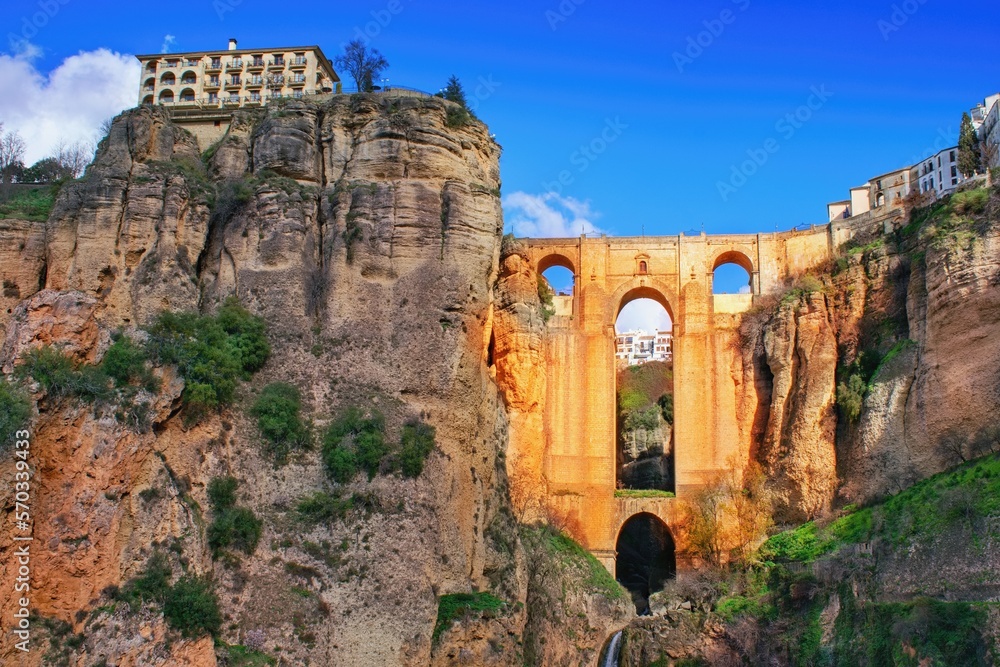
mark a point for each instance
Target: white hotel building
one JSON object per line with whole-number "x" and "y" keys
{"x": 633, "y": 348}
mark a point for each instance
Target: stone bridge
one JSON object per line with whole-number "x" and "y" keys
{"x": 579, "y": 461}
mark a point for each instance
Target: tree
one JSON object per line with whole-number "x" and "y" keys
{"x": 12, "y": 150}
{"x": 362, "y": 64}
{"x": 453, "y": 92}
{"x": 968, "y": 148}
{"x": 46, "y": 170}
{"x": 74, "y": 158}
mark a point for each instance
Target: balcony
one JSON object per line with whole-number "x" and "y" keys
{"x": 191, "y": 63}
{"x": 148, "y": 89}
{"x": 171, "y": 64}
{"x": 236, "y": 63}
{"x": 255, "y": 82}
{"x": 213, "y": 82}
{"x": 297, "y": 80}
{"x": 233, "y": 83}
{"x": 277, "y": 63}
{"x": 214, "y": 66}
{"x": 299, "y": 62}
{"x": 256, "y": 64}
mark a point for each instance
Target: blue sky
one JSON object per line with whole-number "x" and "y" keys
{"x": 618, "y": 117}
{"x": 665, "y": 121}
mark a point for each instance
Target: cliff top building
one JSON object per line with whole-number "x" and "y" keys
{"x": 202, "y": 88}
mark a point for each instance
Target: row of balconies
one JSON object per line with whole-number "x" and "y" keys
{"x": 228, "y": 100}
{"x": 279, "y": 62}
{"x": 249, "y": 82}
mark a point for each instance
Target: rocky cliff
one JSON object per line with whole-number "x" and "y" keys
{"x": 366, "y": 233}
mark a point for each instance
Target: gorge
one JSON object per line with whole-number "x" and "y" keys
{"x": 366, "y": 233}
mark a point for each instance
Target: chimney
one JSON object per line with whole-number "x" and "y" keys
{"x": 232, "y": 43}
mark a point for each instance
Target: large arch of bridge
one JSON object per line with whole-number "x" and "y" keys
{"x": 552, "y": 258}
{"x": 641, "y": 287}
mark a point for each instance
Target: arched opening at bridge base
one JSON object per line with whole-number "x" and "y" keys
{"x": 732, "y": 274}
{"x": 645, "y": 391}
{"x": 556, "y": 284}
{"x": 645, "y": 558}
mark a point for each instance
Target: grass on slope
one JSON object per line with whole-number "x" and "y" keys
{"x": 919, "y": 513}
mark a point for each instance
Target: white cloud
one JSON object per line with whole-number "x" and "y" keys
{"x": 643, "y": 314}
{"x": 548, "y": 215}
{"x": 69, "y": 103}
{"x": 168, "y": 43}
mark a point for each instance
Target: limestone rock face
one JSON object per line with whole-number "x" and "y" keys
{"x": 367, "y": 233}
{"x": 799, "y": 450}
{"x": 518, "y": 356}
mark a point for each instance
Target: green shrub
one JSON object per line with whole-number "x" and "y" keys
{"x": 15, "y": 413}
{"x": 277, "y": 412}
{"x": 353, "y": 441}
{"x": 125, "y": 363}
{"x": 341, "y": 463}
{"x": 152, "y": 584}
{"x": 545, "y": 298}
{"x": 192, "y": 607}
{"x": 970, "y": 201}
{"x": 457, "y": 117}
{"x": 666, "y": 403}
{"x": 236, "y": 528}
{"x": 457, "y": 605}
{"x": 851, "y": 396}
{"x": 60, "y": 376}
{"x": 416, "y": 444}
{"x": 322, "y": 507}
{"x": 211, "y": 353}
{"x": 647, "y": 419}
{"x": 222, "y": 492}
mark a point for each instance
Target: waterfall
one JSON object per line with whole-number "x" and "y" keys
{"x": 614, "y": 650}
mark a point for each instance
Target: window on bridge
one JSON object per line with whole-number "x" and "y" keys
{"x": 731, "y": 274}
{"x": 555, "y": 289}
{"x": 644, "y": 355}
{"x": 645, "y": 558}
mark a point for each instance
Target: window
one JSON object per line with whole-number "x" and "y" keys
{"x": 213, "y": 98}
{"x": 939, "y": 161}
{"x": 951, "y": 156}
{"x": 236, "y": 80}
{"x": 954, "y": 171}
{"x": 643, "y": 267}
{"x": 216, "y": 63}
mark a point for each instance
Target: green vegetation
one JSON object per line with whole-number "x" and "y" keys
{"x": 60, "y": 376}
{"x": 416, "y": 444}
{"x": 232, "y": 527}
{"x": 325, "y": 508}
{"x": 211, "y": 352}
{"x": 15, "y": 413}
{"x": 354, "y": 442}
{"x": 237, "y": 655}
{"x": 568, "y": 555}
{"x": 545, "y": 298}
{"x": 34, "y": 204}
{"x": 645, "y": 394}
{"x": 125, "y": 362}
{"x": 950, "y": 221}
{"x": 459, "y": 605}
{"x": 152, "y": 585}
{"x": 639, "y": 493}
{"x": 277, "y": 410}
{"x": 192, "y": 607}
{"x": 803, "y": 287}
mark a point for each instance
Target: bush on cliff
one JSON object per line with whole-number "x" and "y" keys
{"x": 60, "y": 376}
{"x": 416, "y": 444}
{"x": 277, "y": 411}
{"x": 192, "y": 607}
{"x": 15, "y": 413}
{"x": 232, "y": 526}
{"x": 352, "y": 442}
{"x": 212, "y": 353}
